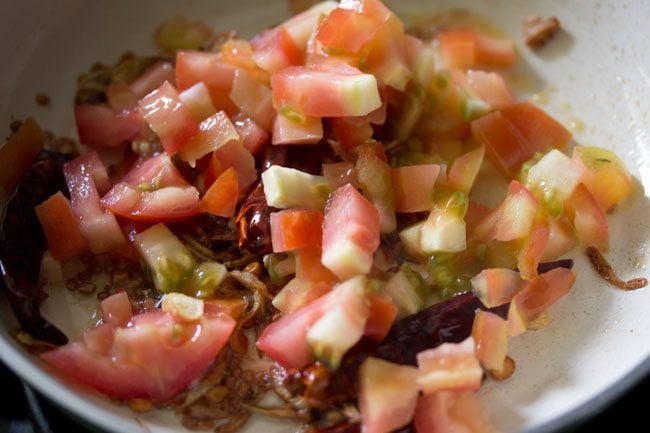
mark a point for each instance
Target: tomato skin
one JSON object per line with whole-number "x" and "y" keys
{"x": 464, "y": 170}
{"x": 537, "y": 128}
{"x": 294, "y": 229}
{"x": 221, "y": 198}
{"x": 169, "y": 118}
{"x": 61, "y": 227}
{"x": 144, "y": 359}
{"x": 99, "y": 126}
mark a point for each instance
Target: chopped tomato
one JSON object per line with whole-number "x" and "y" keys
{"x": 532, "y": 251}
{"x": 538, "y": 295}
{"x": 374, "y": 176}
{"x": 350, "y": 233}
{"x": 451, "y": 412}
{"x": 221, "y": 198}
{"x": 234, "y": 154}
{"x": 588, "y": 219}
{"x": 98, "y": 125}
{"x": 490, "y": 332}
{"x": 346, "y": 32}
{"x": 491, "y": 87}
{"x": 61, "y": 227}
{"x": 311, "y": 92}
{"x": 383, "y": 313}
{"x": 253, "y": 98}
{"x": 169, "y": 118}
{"x": 298, "y": 293}
{"x": 301, "y": 26}
{"x": 152, "y": 78}
{"x": 294, "y": 229}
{"x": 303, "y": 131}
{"x": 350, "y": 132}
{"x": 193, "y": 67}
{"x": 409, "y": 199}
{"x": 518, "y": 212}
{"x": 450, "y": 366}
{"x": 388, "y": 395}
{"x": 197, "y": 100}
{"x": 99, "y": 227}
{"x": 116, "y": 309}
{"x": 214, "y": 132}
{"x": 561, "y": 239}
{"x": 310, "y": 268}
{"x": 514, "y": 134}
{"x": 465, "y": 48}
{"x": 464, "y": 170}
{"x": 274, "y": 50}
{"x": 370, "y": 149}
{"x": 150, "y": 358}
{"x": 18, "y": 153}
{"x": 605, "y": 175}
{"x": 253, "y": 136}
{"x": 285, "y": 340}
{"x": 154, "y": 191}
{"x": 496, "y": 287}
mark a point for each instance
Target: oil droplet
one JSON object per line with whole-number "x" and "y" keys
{"x": 577, "y": 125}
{"x": 540, "y": 98}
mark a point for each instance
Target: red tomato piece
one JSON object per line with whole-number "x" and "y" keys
{"x": 374, "y": 176}
{"x": 588, "y": 219}
{"x": 301, "y": 26}
{"x": 490, "y": 332}
{"x": 409, "y": 199}
{"x": 345, "y": 31}
{"x": 318, "y": 93}
{"x": 350, "y": 132}
{"x": 253, "y": 98}
{"x": 518, "y": 212}
{"x": 193, "y": 67}
{"x": 120, "y": 98}
{"x": 490, "y": 87}
{"x": 450, "y": 366}
{"x": 274, "y": 50}
{"x": 169, "y": 118}
{"x": 464, "y": 170}
{"x": 298, "y": 293}
{"x": 154, "y": 191}
{"x": 537, "y": 296}
{"x": 536, "y": 127}
{"x": 234, "y": 154}
{"x": 388, "y": 395}
{"x": 451, "y": 412}
{"x": 61, "y": 227}
{"x": 294, "y": 229}
{"x": 496, "y": 286}
{"x": 253, "y": 136}
{"x": 116, "y": 309}
{"x": 350, "y": 233}
{"x": 285, "y": 340}
{"x": 287, "y": 131}
{"x": 152, "y": 78}
{"x": 533, "y": 249}
{"x": 18, "y": 153}
{"x": 84, "y": 176}
{"x": 148, "y": 359}
{"x": 100, "y": 126}
{"x": 382, "y": 315}
{"x": 464, "y": 48}
{"x": 221, "y": 198}
{"x": 310, "y": 268}
{"x": 214, "y": 132}
{"x": 197, "y": 100}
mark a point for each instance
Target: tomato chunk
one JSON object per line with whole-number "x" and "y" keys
{"x": 383, "y": 313}
{"x": 116, "y": 309}
{"x": 451, "y": 412}
{"x": 294, "y": 229}
{"x": 491, "y": 335}
{"x": 18, "y": 153}
{"x": 98, "y": 125}
{"x": 320, "y": 93}
{"x": 210, "y": 68}
{"x": 214, "y": 132}
{"x": 450, "y": 366}
{"x": 61, "y": 227}
{"x": 149, "y": 358}
{"x": 409, "y": 199}
{"x": 169, "y": 118}
{"x": 350, "y": 233}
{"x": 221, "y": 198}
